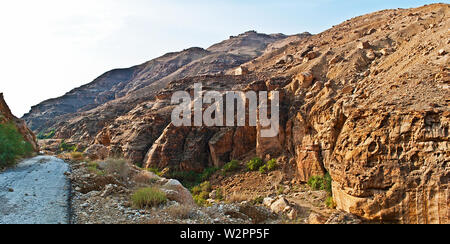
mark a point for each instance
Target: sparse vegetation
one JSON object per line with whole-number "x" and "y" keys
{"x": 144, "y": 178}
{"x": 191, "y": 178}
{"x": 269, "y": 166}
{"x": 321, "y": 183}
{"x": 77, "y": 156}
{"x": 12, "y": 145}
{"x": 179, "y": 212}
{"x": 258, "y": 200}
{"x": 219, "y": 195}
{"x": 330, "y": 202}
{"x": 93, "y": 167}
{"x": 65, "y": 147}
{"x": 118, "y": 167}
{"x": 255, "y": 164}
{"x": 148, "y": 197}
{"x": 231, "y": 166}
{"x": 43, "y": 136}
{"x": 155, "y": 170}
{"x": 201, "y": 193}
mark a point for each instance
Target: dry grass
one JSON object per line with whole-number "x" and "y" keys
{"x": 118, "y": 167}
{"x": 144, "y": 178}
{"x": 148, "y": 197}
{"x": 238, "y": 197}
{"x": 77, "y": 156}
{"x": 179, "y": 212}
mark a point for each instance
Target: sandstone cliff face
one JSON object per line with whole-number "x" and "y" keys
{"x": 369, "y": 104}
{"x": 7, "y": 117}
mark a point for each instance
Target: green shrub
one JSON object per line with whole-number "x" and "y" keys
{"x": 12, "y": 145}
{"x": 330, "y": 202}
{"x": 155, "y": 170}
{"x": 219, "y": 195}
{"x": 42, "y": 135}
{"x": 199, "y": 200}
{"x": 148, "y": 197}
{"x": 255, "y": 164}
{"x": 269, "y": 166}
{"x": 321, "y": 183}
{"x": 93, "y": 167}
{"x": 190, "y": 179}
{"x": 258, "y": 200}
{"x": 65, "y": 147}
{"x": 201, "y": 193}
{"x": 196, "y": 190}
{"x": 207, "y": 173}
{"x": 231, "y": 166}
{"x": 206, "y": 186}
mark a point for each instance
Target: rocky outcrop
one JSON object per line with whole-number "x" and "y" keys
{"x": 394, "y": 164}
{"x": 7, "y": 117}
{"x": 370, "y": 108}
{"x": 84, "y": 111}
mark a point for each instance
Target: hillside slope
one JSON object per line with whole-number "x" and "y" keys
{"x": 141, "y": 82}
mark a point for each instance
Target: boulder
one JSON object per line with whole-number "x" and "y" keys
{"x": 364, "y": 45}
{"x": 279, "y": 205}
{"x": 175, "y": 191}
{"x": 97, "y": 152}
{"x": 316, "y": 219}
{"x": 305, "y": 79}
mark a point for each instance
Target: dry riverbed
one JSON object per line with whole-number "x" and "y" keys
{"x": 36, "y": 191}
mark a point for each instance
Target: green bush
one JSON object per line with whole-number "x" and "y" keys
{"x": 196, "y": 190}
{"x": 231, "y": 166}
{"x": 330, "y": 202}
{"x": 191, "y": 178}
{"x": 258, "y": 200}
{"x": 201, "y": 193}
{"x": 64, "y": 147}
{"x": 219, "y": 195}
{"x": 255, "y": 164}
{"x": 206, "y": 186}
{"x": 93, "y": 167}
{"x": 207, "y": 173}
{"x": 42, "y": 135}
{"x": 269, "y": 166}
{"x": 12, "y": 145}
{"x": 148, "y": 197}
{"x": 321, "y": 183}
{"x": 155, "y": 170}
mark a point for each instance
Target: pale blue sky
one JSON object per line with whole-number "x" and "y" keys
{"x": 48, "y": 47}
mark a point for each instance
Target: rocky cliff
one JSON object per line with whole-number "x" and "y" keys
{"x": 366, "y": 101}
{"x": 82, "y": 112}
{"x": 7, "y": 117}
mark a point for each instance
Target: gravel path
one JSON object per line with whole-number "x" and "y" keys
{"x": 35, "y": 192}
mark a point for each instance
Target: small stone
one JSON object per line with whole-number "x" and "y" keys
{"x": 364, "y": 45}
{"x": 442, "y": 52}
